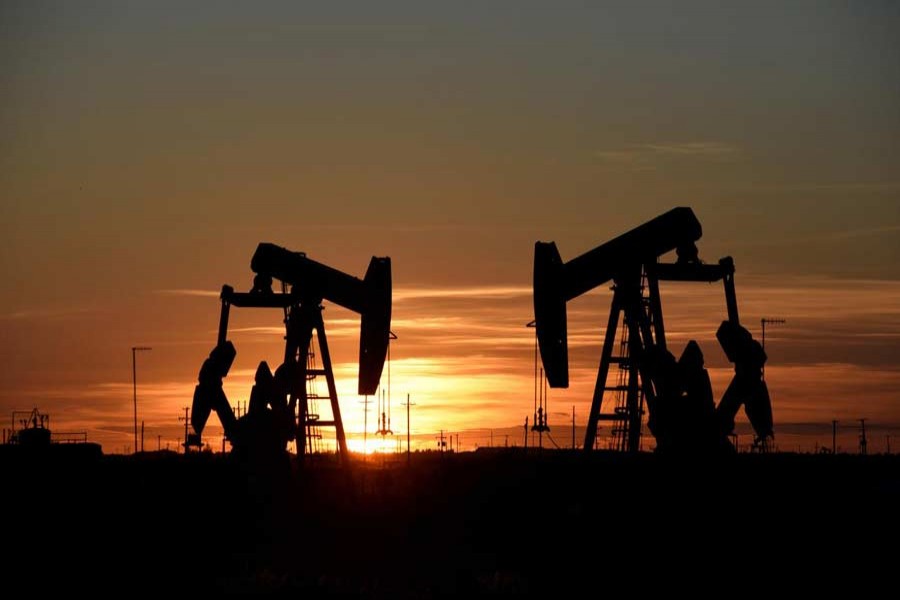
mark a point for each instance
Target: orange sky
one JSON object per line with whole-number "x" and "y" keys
{"x": 147, "y": 149}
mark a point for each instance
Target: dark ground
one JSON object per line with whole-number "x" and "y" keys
{"x": 490, "y": 523}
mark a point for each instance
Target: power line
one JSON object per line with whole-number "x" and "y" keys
{"x": 550, "y": 437}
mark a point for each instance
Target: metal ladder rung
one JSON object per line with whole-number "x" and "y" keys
{"x": 616, "y": 388}
{"x": 610, "y": 417}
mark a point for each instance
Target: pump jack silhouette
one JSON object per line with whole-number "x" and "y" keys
{"x": 279, "y": 403}
{"x": 678, "y": 394}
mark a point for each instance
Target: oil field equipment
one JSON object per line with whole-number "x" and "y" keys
{"x": 280, "y": 402}
{"x": 683, "y": 416}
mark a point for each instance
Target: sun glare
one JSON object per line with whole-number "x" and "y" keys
{"x": 373, "y": 444}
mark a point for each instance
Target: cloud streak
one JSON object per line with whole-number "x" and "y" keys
{"x": 822, "y": 238}
{"x": 46, "y": 313}
{"x": 694, "y": 149}
{"x": 467, "y": 358}
{"x": 495, "y": 292}
{"x": 872, "y": 187}
{"x": 649, "y": 156}
{"x": 189, "y": 292}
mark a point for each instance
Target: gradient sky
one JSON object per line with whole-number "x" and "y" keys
{"x": 147, "y": 147}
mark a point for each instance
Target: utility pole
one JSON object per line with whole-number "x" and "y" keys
{"x": 158, "y": 443}
{"x": 834, "y": 436}
{"x": 408, "y": 404}
{"x": 526, "y": 432}
{"x": 186, "y": 420}
{"x": 142, "y": 435}
{"x": 365, "y": 425}
{"x": 134, "y": 351}
{"x": 863, "y": 442}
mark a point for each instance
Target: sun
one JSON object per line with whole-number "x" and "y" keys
{"x": 373, "y": 444}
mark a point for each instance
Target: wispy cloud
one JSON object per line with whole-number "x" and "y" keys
{"x": 467, "y": 358}
{"x": 497, "y": 292}
{"x": 46, "y": 313}
{"x": 255, "y": 330}
{"x": 702, "y": 149}
{"x": 648, "y": 156}
{"x": 854, "y": 187}
{"x": 821, "y": 238}
{"x": 189, "y": 292}
{"x": 400, "y": 294}
{"x": 866, "y": 232}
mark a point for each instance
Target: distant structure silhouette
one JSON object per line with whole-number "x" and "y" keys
{"x": 384, "y": 405}
{"x": 768, "y": 321}
{"x": 32, "y": 431}
{"x": 682, "y": 415}
{"x": 30, "y": 436}
{"x": 541, "y": 401}
{"x": 281, "y": 405}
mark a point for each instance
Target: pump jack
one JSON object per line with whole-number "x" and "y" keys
{"x": 279, "y": 403}
{"x": 682, "y": 414}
